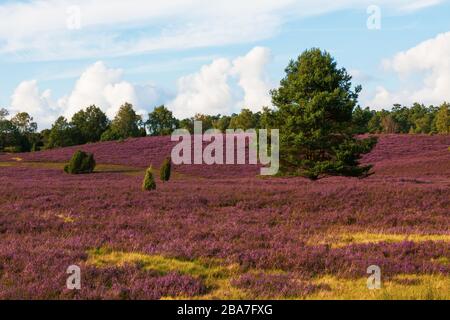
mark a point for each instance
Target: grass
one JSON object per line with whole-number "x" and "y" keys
{"x": 66, "y": 218}
{"x": 100, "y": 168}
{"x": 442, "y": 260}
{"x": 348, "y": 238}
{"x": 401, "y": 287}
{"x": 103, "y": 168}
{"x": 217, "y": 278}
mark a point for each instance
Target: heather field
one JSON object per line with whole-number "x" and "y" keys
{"x": 223, "y": 232}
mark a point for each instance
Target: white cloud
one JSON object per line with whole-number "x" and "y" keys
{"x": 28, "y": 98}
{"x": 223, "y": 86}
{"x": 428, "y": 61}
{"x": 105, "y": 88}
{"x": 97, "y": 85}
{"x": 206, "y": 91}
{"x": 212, "y": 89}
{"x": 116, "y": 27}
{"x": 253, "y": 79}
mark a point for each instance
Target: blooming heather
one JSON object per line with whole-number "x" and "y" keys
{"x": 50, "y": 220}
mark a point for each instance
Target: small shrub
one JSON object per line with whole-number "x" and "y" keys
{"x": 149, "y": 180}
{"x": 164, "y": 171}
{"x": 80, "y": 163}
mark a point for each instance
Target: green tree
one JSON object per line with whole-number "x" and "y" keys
{"x": 246, "y": 119}
{"x": 222, "y": 123}
{"x": 10, "y": 137}
{"x": 3, "y": 113}
{"x": 187, "y": 124}
{"x": 388, "y": 124}
{"x": 91, "y": 123}
{"x": 374, "y": 124}
{"x": 63, "y": 134}
{"x": 126, "y": 124}
{"x": 443, "y": 119}
{"x": 401, "y": 116}
{"x": 267, "y": 119}
{"x": 360, "y": 119}
{"x": 206, "y": 120}
{"x": 27, "y": 129}
{"x": 315, "y": 102}
{"x": 165, "y": 170}
{"x": 149, "y": 180}
{"x": 161, "y": 122}
{"x": 80, "y": 163}
{"x": 24, "y": 122}
{"x": 423, "y": 124}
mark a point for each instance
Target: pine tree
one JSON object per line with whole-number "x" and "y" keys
{"x": 443, "y": 119}
{"x": 315, "y": 104}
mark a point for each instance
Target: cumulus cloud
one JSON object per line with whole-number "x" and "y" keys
{"x": 250, "y": 69}
{"x": 28, "y": 98}
{"x": 212, "y": 90}
{"x": 116, "y": 27}
{"x": 97, "y": 85}
{"x": 206, "y": 91}
{"x": 223, "y": 86}
{"x": 429, "y": 61}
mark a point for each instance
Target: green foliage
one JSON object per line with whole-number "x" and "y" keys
{"x": 315, "y": 104}
{"x": 24, "y": 123}
{"x": 187, "y": 124}
{"x": 3, "y": 113}
{"x": 402, "y": 119}
{"x": 165, "y": 169}
{"x": 149, "y": 180}
{"x": 63, "y": 134}
{"x": 17, "y": 134}
{"x": 361, "y": 119}
{"x": 222, "y": 123}
{"x": 388, "y": 124}
{"x": 267, "y": 119}
{"x": 443, "y": 119}
{"x": 244, "y": 120}
{"x": 207, "y": 121}
{"x": 348, "y": 155}
{"x": 12, "y": 139}
{"x": 90, "y": 123}
{"x": 81, "y": 163}
{"x": 161, "y": 122}
{"x": 126, "y": 124}
{"x": 8, "y": 134}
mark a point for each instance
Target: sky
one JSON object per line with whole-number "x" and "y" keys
{"x": 199, "y": 56}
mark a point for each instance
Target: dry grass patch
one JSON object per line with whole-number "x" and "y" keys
{"x": 401, "y": 287}
{"x": 348, "y": 238}
{"x": 216, "y": 277}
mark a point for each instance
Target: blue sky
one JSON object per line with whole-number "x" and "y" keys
{"x": 59, "y": 56}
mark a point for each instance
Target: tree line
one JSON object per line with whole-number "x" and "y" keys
{"x": 19, "y": 134}
{"x": 316, "y": 110}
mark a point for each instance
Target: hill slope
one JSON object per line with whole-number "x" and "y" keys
{"x": 223, "y": 232}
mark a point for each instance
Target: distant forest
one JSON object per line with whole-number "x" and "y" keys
{"x": 19, "y": 133}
